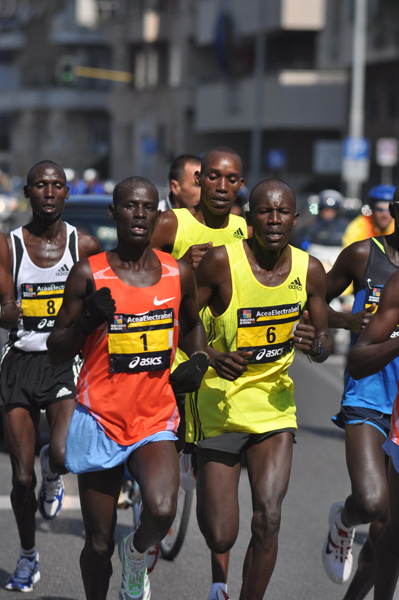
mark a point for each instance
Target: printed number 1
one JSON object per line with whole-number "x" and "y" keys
{"x": 144, "y": 338}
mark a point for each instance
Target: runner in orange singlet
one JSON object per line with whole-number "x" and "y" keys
{"x": 123, "y": 309}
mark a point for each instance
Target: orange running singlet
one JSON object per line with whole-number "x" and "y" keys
{"x": 124, "y": 381}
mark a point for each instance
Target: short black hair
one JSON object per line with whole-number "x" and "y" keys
{"x": 135, "y": 179}
{"x": 220, "y": 150}
{"x": 31, "y": 171}
{"x": 268, "y": 184}
{"x": 178, "y": 165}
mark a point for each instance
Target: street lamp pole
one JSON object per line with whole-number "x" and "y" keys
{"x": 356, "y": 116}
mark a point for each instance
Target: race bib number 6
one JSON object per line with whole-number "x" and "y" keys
{"x": 267, "y": 331}
{"x": 138, "y": 343}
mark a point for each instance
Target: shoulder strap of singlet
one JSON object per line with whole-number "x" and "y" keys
{"x": 379, "y": 244}
{"x": 73, "y": 245}
{"x": 18, "y": 251}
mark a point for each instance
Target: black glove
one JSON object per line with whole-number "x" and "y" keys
{"x": 98, "y": 307}
{"x": 188, "y": 375}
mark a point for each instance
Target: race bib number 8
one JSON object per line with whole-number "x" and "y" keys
{"x": 138, "y": 343}
{"x": 40, "y": 303}
{"x": 267, "y": 331}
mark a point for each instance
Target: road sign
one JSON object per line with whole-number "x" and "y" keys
{"x": 276, "y": 158}
{"x": 356, "y": 159}
{"x": 387, "y": 152}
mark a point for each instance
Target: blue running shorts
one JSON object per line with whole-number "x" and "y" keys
{"x": 89, "y": 448}
{"x": 358, "y": 415}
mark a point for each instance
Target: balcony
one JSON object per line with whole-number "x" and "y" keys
{"x": 291, "y": 100}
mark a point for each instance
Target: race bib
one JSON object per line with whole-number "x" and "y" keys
{"x": 40, "y": 303}
{"x": 267, "y": 331}
{"x": 373, "y": 296}
{"x": 138, "y": 343}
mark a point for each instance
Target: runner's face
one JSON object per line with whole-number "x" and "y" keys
{"x": 221, "y": 182}
{"x": 47, "y": 191}
{"x": 381, "y": 214}
{"x": 273, "y": 218}
{"x": 135, "y": 214}
{"x": 187, "y": 189}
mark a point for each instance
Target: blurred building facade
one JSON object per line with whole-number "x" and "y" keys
{"x": 190, "y": 77}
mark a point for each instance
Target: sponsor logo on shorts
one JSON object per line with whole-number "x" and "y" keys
{"x": 63, "y": 392}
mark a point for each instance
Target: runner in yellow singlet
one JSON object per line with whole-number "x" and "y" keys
{"x": 189, "y": 236}
{"x": 263, "y": 299}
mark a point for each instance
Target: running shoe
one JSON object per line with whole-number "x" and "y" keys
{"x": 25, "y": 576}
{"x": 188, "y": 478}
{"x": 151, "y": 558}
{"x": 135, "y": 581}
{"x": 222, "y": 595}
{"x": 51, "y": 492}
{"x": 337, "y": 549}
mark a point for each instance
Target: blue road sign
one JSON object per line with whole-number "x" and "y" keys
{"x": 356, "y": 148}
{"x": 275, "y": 158}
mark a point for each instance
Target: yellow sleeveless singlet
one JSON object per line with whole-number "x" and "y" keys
{"x": 261, "y": 319}
{"x": 191, "y": 232}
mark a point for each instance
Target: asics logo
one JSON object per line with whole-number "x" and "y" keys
{"x": 145, "y": 362}
{"x": 159, "y": 302}
{"x": 269, "y": 353}
{"x": 42, "y": 324}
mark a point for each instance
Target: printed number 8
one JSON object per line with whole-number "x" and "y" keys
{"x": 50, "y": 307}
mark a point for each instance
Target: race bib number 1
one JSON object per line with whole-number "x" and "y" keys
{"x": 138, "y": 343}
{"x": 267, "y": 331}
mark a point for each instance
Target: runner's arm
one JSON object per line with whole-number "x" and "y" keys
{"x": 374, "y": 348}
{"x": 9, "y": 309}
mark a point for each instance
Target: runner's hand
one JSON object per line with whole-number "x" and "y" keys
{"x": 98, "y": 307}
{"x": 230, "y": 365}
{"x": 188, "y": 375}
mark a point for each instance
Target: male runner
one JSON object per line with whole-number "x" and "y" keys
{"x": 254, "y": 294}
{"x": 42, "y": 254}
{"x": 378, "y": 346}
{"x": 190, "y": 236}
{"x": 127, "y": 414}
{"x": 365, "y": 412}
{"x": 184, "y": 191}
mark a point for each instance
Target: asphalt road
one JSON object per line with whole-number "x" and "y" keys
{"x": 318, "y": 479}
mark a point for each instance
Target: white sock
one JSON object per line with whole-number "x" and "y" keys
{"x": 340, "y": 525}
{"x": 31, "y": 554}
{"x": 131, "y": 551}
{"x": 215, "y": 587}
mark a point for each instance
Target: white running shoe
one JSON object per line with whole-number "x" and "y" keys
{"x": 51, "y": 492}
{"x": 135, "y": 581}
{"x": 25, "y": 576}
{"x": 188, "y": 479}
{"x": 337, "y": 549}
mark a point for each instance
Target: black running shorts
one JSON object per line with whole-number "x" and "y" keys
{"x": 30, "y": 379}
{"x": 235, "y": 441}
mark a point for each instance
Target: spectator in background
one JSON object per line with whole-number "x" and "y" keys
{"x": 329, "y": 226}
{"x": 75, "y": 183}
{"x": 184, "y": 191}
{"x": 93, "y": 183}
{"x": 378, "y": 222}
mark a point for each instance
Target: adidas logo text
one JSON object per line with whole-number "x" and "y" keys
{"x": 63, "y": 270}
{"x": 295, "y": 285}
{"x": 239, "y": 234}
